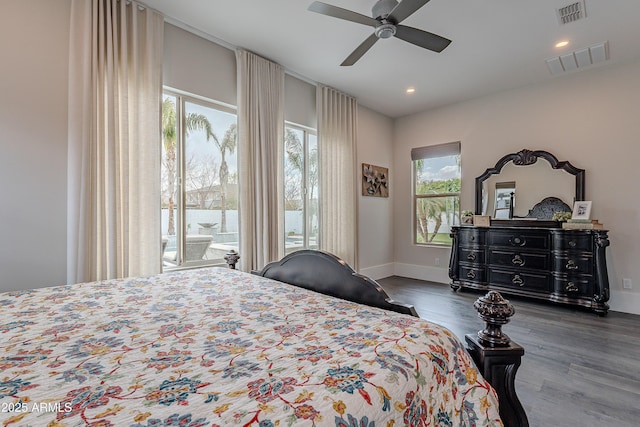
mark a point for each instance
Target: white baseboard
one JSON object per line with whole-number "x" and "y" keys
{"x": 421, "y": 272}
{"x": 378, "y": 272}
{"x": 625, "y": 302}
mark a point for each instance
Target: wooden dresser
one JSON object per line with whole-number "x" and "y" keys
{"x": 549, "y": 263}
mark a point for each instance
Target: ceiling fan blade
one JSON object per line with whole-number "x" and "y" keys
{"x": 338, "y": 12}
{"x": 421, "y": 38}
{"x": 360, "y": 50}
{"x": 404, "y": 9}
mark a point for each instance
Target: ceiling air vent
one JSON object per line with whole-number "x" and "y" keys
{"x": 572, "y": 12}
{"x": 579, "y": 58}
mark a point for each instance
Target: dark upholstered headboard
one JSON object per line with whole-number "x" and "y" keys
{"x": 327, "y": 274}
{"x": 547, "y": 207}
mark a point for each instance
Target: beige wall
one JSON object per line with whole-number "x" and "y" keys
{"x": 34, "y": 43}
{"x": 590, "y": 118}
{"x": 375, "y": 214}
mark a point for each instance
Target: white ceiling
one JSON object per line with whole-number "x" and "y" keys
{"x": 497, "y": 44}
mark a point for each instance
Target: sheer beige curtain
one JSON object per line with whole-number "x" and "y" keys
{"x": 260, "y": 159}
{"x": 337, "y": 132}
{"x": 115, "y": 89}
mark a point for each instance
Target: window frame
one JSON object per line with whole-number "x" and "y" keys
{"x": 182, "y": 98}
{"x": 432, "y": 152}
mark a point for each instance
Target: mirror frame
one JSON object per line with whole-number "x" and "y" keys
{"x": 528, "y": 157}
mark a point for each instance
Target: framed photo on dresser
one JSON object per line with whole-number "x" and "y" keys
{"x": 581, "y": 210}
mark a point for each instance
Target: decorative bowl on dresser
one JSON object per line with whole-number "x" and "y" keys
{"x": 532, "y": 257}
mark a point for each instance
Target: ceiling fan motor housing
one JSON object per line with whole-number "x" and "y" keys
{"x": 382, "y": 9}
{"x": 385, "y": 31}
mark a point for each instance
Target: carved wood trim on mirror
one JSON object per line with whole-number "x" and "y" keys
{"x": 529, "y": 157}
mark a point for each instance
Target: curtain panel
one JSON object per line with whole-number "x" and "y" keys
{"x": 115, "y": 89}
{"x": 260, "y": 159}
{"x": 337, "y": 136}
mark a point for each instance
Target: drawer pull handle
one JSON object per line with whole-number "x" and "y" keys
{"x": 517, "y": 280}
{"x": 472, "y": 238}
{"x": 517, "y": 241}
{"x": 471, "y": 274}
{"x": 572, "y": 243}
{"x": 571, "y": 287}
{"x": 571, "y": 265}
{"x": 471, "y": 256}
{"x": 517, "y": 260}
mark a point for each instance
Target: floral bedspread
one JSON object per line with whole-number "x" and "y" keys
{"x": 213, "y": 347}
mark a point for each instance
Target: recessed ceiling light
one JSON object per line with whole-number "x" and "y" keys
{"x": 563, "y": 43}
{"x": 411, "y": 90}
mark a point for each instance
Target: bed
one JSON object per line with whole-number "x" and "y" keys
{"x": 216, "y": 346}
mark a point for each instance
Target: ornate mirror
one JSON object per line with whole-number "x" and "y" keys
{"x": 528, "y": 188}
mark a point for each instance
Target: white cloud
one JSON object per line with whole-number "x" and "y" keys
{"x": 446, "y": 172}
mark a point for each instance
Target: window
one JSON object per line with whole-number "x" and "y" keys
{"x": 300, "y": 188}
{"x": 505, "y": 192}
{"x": 436, "y": 194}
{"x": 199, "y": 181}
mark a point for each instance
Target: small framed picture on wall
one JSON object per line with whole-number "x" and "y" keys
{"x": 375, "y": 180}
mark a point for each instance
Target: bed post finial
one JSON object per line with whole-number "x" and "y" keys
{"x": 497, "y": 357}
{"x": 495, "y": 311}
{"x": 232, "y": 258}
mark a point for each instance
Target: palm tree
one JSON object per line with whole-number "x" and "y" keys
{"x": 228, "y": 143}
{"x": 433, "y": 209}
{"x": 295, "y": 160}
{"x": 194, "y": 122}
{"x": 295, "y": 152}
{"x": 430, "y": 209}
{"x": 169, "y": 128}
{"x": 169, "y": 142}
{"x": 293, "y": 147}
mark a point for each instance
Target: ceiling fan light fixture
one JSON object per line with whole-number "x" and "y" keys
{"x": 385, "y": 31}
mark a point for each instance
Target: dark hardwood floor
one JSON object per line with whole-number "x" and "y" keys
{"x": 579, "y": 370}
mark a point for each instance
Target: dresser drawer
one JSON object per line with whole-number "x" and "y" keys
{"x": 519, "y": 259}
{"x": 471, "y": 236}
{"x": 538, "y": 282}
{"x": 573, "y": 286}
{"x": 573, "y": 263}
{"x": 518, "y": 239}
{"x": 573, "y": 240}
{"x": 471, "y": 274}
{"x": 472, "y": 255}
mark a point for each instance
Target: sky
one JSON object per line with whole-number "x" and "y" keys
{"x": 441, "y": 168}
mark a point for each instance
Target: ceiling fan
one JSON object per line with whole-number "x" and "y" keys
{"x": 387, "y": 16}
